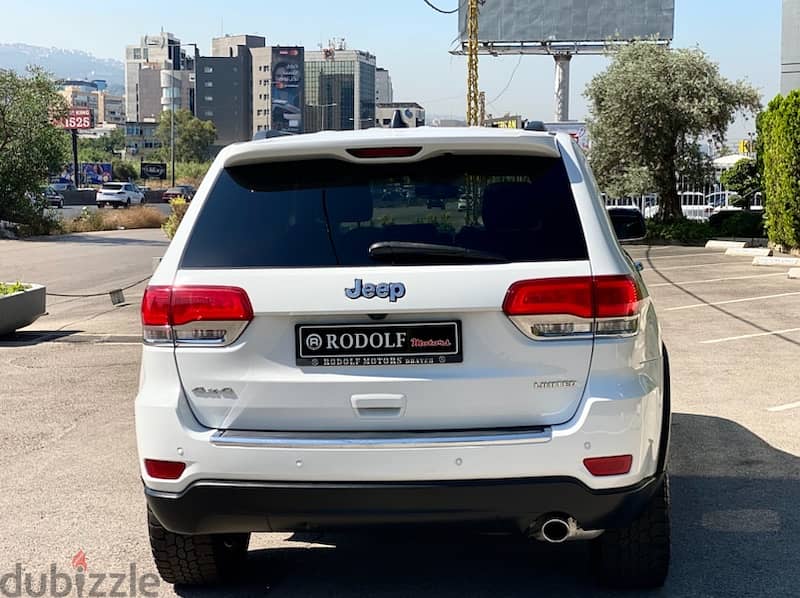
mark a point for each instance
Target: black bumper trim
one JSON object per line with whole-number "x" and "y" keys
{"x": 239, "y": 506}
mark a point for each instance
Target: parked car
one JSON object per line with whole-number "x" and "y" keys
{"x": 53, "y": 197}
{"x": 62, "y": 186}
{"x": 186, "y": 192}
{"x": 118, "y": 195}
{"x": 723, "y": 201}
{"x": 310, "y": 365}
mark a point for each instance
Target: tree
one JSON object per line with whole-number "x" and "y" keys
{"x": 743, "y": 179}
{"x": 649, "y": 109}
{"x": 102, "y": 149}
{"x": 31, "y": 146}
{"x": 124, "y": 170}
{"x": 193, "y": 137}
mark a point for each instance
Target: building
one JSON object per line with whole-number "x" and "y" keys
{"x": 339, "y": 89}
{"x": 384, "y": 94}
{"x": 140, "y": 138}
{"x": 106, "y": 108}
{"x": 790, "y": 46}
{"x": 412, "y": 114}
{"x": 225, "y": 86}
{"x": 159, "y": 76}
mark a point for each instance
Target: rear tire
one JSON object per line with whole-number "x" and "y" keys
{"x": 196, "y": 560}
{"x": 638, "y": 556}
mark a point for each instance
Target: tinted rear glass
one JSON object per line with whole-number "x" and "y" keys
{"x": 113, "y": 186}
{"x": 320, "y": 213}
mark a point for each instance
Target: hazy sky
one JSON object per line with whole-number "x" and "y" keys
{"x": 408, "y": 38}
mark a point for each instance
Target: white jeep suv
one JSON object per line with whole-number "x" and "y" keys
{"x": 320, "y": 353}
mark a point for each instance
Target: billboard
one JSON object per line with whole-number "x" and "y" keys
{"x": 286, "y": 93}
{"x": 509, "y": 21}
{"x": 153, "y": 170}
{"x": 95, "y": 173}
{"x": 77, "y": 118}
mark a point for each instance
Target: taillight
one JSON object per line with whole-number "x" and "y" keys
{"x": 194, "y": 315}
{"x": 384, "y": 152}
{"x": 575, "y": 307}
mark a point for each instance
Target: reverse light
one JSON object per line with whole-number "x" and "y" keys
{"x": 604, "y": 466}
{"x": 164, "y": 470}
{"x": 575, "y": 307}
{"x": 194, "y": 315}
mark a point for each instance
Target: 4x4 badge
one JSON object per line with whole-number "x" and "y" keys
{"x": 382, "y": 290}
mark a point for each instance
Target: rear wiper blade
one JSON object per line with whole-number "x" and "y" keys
{"x": 408, "y": 252}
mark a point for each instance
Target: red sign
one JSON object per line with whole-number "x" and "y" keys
{"x": 78, "y": 118}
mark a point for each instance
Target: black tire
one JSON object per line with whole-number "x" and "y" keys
{"x": 196, "y": 560}
{"x": 128, "y": 203}
{"x": 637, "y": 557}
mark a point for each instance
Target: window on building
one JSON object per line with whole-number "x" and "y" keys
{"x": 208, "y": 113}
{"x": 209, "y": 83}
{"x": 208, "y": 98}
{"x": 208, "y": 69}
{"x": 137, "y": 53}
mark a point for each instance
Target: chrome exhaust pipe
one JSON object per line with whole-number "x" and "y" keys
{"x": 557, "y": 530}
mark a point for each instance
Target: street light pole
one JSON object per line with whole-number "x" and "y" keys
{"x": 172, "y": 132}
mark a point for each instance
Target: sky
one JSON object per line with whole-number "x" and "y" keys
{"x": 407, "y": 37}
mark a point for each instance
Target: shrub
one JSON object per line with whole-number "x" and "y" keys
{"x": 737, "y": 224}
{"x": 11, "y": 288}
{"x": 681, "y": 231}
{"x": 94, "y": 220}
{"x": 170, "y": 226}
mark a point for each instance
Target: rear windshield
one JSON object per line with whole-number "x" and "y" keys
{"x": 112, "y": 186}
{"x": 327, "y": 213}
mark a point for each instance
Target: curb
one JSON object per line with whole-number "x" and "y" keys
{"x": 726, "y": 244}
{"x": 776, "y": 261}
{"x": 794, "y": 273}
{"x": 748, "y": 251}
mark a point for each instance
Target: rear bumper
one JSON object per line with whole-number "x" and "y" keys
{"x": 243, "y": 506}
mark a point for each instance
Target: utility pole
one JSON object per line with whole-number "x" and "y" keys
{"x": 482, "y": 112}
{"x": 472, "y": 63}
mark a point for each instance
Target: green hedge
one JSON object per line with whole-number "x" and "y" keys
{"x": 779, "y": 141}
{"x": 737, "y": 224}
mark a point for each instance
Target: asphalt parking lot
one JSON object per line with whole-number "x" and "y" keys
{"x": 70, "y": 476}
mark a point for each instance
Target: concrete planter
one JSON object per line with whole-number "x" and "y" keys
{"x": 21, "y": 309}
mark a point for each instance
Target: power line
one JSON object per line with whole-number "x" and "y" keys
{"x": 437, "y": 9}
{"x": 510, "y": 79}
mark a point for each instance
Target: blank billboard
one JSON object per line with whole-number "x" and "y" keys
{"x": 509, "y": 21}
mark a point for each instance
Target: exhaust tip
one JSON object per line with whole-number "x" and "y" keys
{"x": 555, "y": 530}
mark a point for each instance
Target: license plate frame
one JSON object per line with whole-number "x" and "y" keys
{"x": 424, "y": 343}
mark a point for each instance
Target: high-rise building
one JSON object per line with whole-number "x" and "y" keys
{"x": 790, "y": 46}
{"x": 384, "y": 94}
{"x": 159, "y": 76}
{"x": 106, "y": 108}
{"x": 223, "y": 95}
{"x": 339, "y": 89}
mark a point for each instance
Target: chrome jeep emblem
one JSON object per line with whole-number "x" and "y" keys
{"x": 382, "y": 290}
{"x": 214, "y": 393}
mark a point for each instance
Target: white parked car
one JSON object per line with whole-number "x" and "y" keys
{"x": 721, "y": 200}
{"x": 318, "y": 356}
{"x": 119, "y": 195}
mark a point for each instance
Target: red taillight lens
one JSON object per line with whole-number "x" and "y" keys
{"x": 549, "y": 296}
{"x": 602, "y": 466}
{"x": 155, "y": 306}
{"x": 195, "y": 304}
{"x": 178, "y": 315}
{"x": 384, "y": 152}
{"x": 164, "y": 470}
{"x": 616, "y": 296}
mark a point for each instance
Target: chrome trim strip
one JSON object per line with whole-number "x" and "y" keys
{"x": 349, "y": 440}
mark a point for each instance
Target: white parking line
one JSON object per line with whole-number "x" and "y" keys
{"x": 729, "y": 301}
{"x": 784, "y": 407}
{"x": 754, "y": 335}
{"x": 685, "y": 282}
{"x": 728, "y": 263}
{"x": 675, "y": 256}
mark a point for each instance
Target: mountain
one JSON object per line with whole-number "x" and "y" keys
{"x": 64, "y": 64}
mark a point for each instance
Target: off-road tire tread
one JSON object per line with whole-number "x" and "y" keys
{"x": 195, "y": 560}
{"x": 638, "y": 556}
